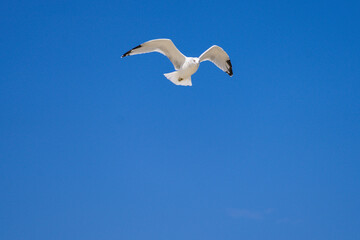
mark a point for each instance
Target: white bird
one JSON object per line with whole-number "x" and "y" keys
{"x": 184, "y": 66}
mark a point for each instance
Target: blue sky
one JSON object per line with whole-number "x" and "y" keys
{"x": 93, "y": 146}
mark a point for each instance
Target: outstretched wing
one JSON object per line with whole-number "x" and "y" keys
{"x": 163, "y": 46}
{"x": 219, "y": 57}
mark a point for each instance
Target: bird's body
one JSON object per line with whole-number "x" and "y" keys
{"x": 183, "y": 75}
{"x": 185, "y": 66}
{"x": 190, "y": 66}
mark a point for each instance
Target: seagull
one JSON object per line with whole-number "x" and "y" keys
{"x": 184, "y": 66}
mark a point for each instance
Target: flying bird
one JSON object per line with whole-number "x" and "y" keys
{"x": 184, "y": 66}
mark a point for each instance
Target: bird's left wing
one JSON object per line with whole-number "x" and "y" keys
{"x": 163, "y": 46}
{"x": 219, "y": 57}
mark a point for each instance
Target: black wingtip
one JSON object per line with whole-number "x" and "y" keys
{"x": 230, "y": 72}
{"x": 128, "y": 52}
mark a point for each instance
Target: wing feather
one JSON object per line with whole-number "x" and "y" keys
{"x": 219, "y": 57}
{"x": 163, "y": 46}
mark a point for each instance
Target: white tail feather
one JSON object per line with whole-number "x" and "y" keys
{"x": 177, "y": 80}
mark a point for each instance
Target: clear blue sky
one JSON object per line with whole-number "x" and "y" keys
{"x": 93, "y": 146}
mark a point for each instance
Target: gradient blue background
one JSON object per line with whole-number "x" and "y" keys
{"x": 93, "y": 146}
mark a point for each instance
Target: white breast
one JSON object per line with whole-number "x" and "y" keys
{"x": 189, "y": 67}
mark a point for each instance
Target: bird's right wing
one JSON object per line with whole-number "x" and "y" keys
{"x": 219, "y": 57}
{"x": 163, "y": 46}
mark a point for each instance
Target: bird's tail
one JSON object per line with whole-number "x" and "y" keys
{"x": 177, "y": 79}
